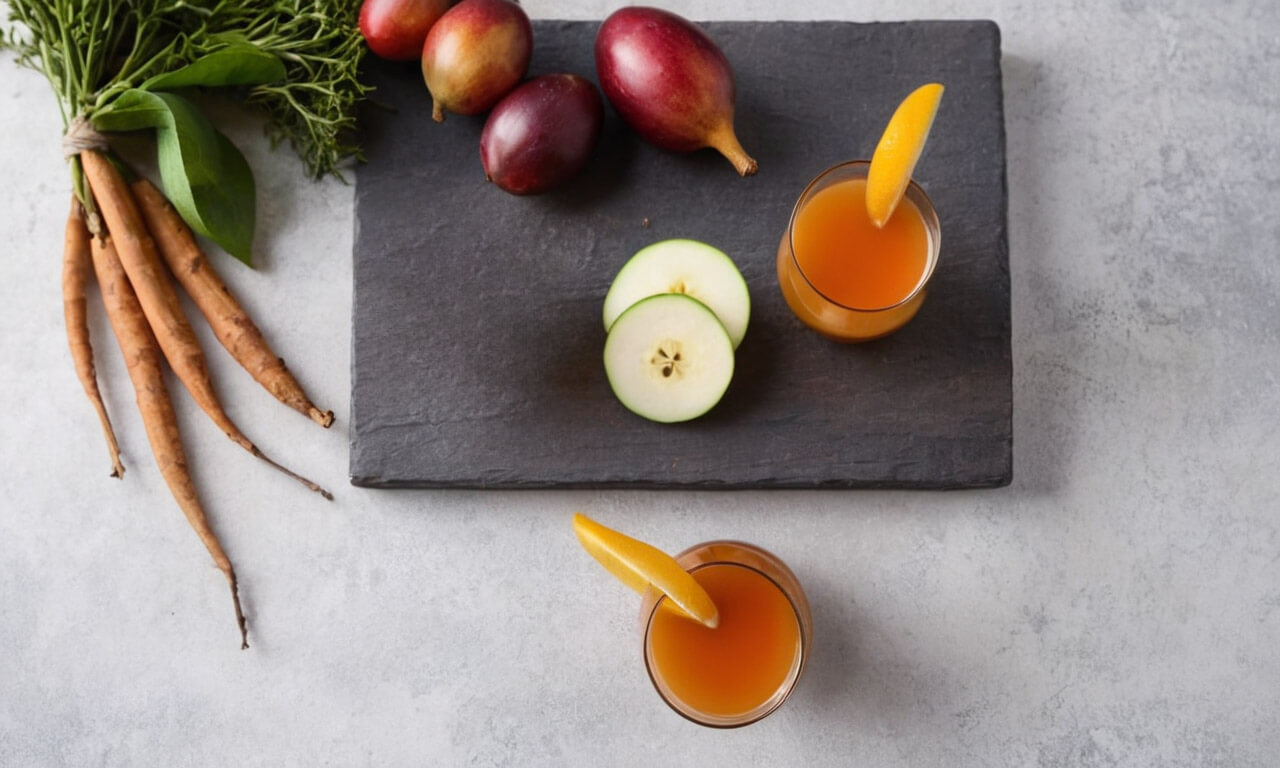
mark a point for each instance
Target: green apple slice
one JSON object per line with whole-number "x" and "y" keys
{"x": 683, "y": 266}
{"x": 668, "y": 358}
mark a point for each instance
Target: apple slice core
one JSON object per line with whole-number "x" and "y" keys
{"x": 668, "y": 358}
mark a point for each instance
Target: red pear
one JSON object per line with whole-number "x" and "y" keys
{"x": 396, "y": 29}
{"x": 474, "y": 55}
{"x": 541, "y": 134}
{"x": 670, "y": 82}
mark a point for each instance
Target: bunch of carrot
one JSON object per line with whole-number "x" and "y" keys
{"x": 130, "y": 65}
{"x": 134, "y": 242}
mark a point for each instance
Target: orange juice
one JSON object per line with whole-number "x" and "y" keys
{"x": 848, "y": 258}
{"x": 737, "y": 666}
{"x": 746, "y": 666}
{"x": 845, "y": 277}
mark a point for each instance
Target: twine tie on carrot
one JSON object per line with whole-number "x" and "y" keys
{"x": 82, "y": 136}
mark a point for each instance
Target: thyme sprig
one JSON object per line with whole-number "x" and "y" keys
{"x": 92, "y": 51}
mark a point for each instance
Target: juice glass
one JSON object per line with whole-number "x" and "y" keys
{"x": 844, "y": 277}
{"x": 746, "y": 667}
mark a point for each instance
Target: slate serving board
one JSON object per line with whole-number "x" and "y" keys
{"x": 477, "y": 336}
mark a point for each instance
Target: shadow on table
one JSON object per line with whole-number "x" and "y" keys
{"x": 851, "y": 675}
{"x": 831, "y": 671}
{"x": 1045, "y": 419}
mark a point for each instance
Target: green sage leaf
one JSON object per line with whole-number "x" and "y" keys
{"x": 207, "y": 179}
{"x": 132, "y": 110}
{"x": 204, "y": 175}
{"x": 236, "y": 64}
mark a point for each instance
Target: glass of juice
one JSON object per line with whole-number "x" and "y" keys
{"x": 748, "y": 665}
{"x": 844, "y": 277}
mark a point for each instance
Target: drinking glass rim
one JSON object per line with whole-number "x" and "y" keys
{"x": 788, "y": 685}
{"x": 929, "y": 267}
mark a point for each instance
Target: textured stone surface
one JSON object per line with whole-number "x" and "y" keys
{"x": 477, "y": 336}
{"x": 1118, "y": 605}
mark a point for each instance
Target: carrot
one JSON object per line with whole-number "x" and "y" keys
{"x": 229, "y": 321}
{"x": 76, "y": 267}
{"x": 137, "y": 252}
{"x": 141, "y": 355}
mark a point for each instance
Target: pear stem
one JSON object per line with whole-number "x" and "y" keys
{"x": 725, "y": 141}
{"x": 437, "y": 111}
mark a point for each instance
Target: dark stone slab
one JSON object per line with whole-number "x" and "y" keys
{"x": 477, "y": 336}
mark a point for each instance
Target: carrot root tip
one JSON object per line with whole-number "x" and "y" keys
{"x": 253, "y": 449}
{"x": 235, "y": 601}
{"x": 323, "y": 418}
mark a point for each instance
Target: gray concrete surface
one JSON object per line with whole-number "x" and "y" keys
{"x": 1118, "y": 606}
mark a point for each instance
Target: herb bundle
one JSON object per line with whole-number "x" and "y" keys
{"x": 128, "y": 65}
